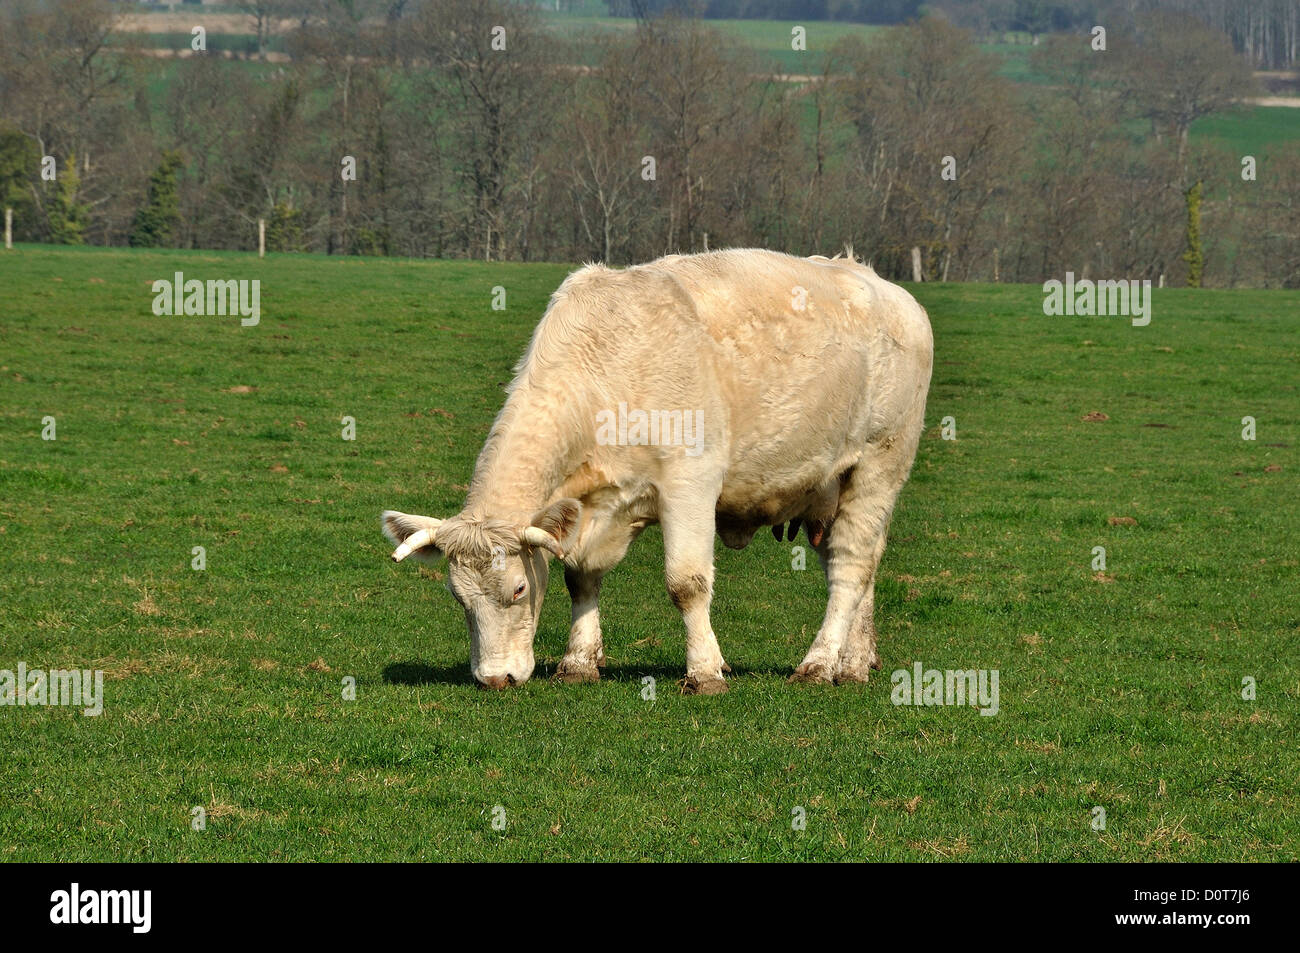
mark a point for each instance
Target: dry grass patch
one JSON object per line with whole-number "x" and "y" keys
{"x": 147, "y": 606}
{"x": 942, "y": 848}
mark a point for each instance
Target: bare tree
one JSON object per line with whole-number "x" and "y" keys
{"x": 492, "y": 70}
{"x": 266, "y": 16}
{"x": 1177, "y": 70}
{"x": 937, "y": 137}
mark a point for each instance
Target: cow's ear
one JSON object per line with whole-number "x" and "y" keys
{"x": 559, "y": 521}
{"x": 412, "y": 535}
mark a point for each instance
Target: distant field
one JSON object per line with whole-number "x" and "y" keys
{"x": 1252, "y": 130}
{"x": 770, "y": 39}
{"x": 1119, "y": 689}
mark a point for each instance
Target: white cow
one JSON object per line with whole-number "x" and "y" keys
{"x": 720, "y": 392}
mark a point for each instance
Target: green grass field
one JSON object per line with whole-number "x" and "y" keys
{"x": 1252, "y": 130}
{"x": 1120, "y": 689}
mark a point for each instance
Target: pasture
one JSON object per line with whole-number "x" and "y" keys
{"x": 1120, "y": 688}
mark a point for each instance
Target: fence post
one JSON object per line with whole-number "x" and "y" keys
{"x": 261, "y": 238}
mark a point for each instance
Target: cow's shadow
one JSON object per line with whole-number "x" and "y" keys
{"x": 622, "y": 672}
{"x": 420, "y": 672}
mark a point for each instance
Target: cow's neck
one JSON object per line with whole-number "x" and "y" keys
{"x": 528, "y": 454}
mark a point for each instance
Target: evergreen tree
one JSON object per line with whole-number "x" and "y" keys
{"x": 65, "y": 215}
{"x": 1194, "y": 255}
{"x": 18, "y": 158}
{"x": 155, "y": 223}
{"x": 284, "y": 230}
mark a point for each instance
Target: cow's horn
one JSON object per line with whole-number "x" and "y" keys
{"x": 418, "y": 539}
{"x": 536, "y": 536}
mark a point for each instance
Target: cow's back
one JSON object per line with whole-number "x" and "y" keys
{"x": 813, "y": 358}
{"x": 796, "y": 364}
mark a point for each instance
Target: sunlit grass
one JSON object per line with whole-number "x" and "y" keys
{"x": 1120, "y": 689}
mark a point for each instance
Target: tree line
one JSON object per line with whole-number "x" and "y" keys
{"x": 851, "y": 11}
{"x": 461, "y": 128}
{"x": 1266, "y": 32}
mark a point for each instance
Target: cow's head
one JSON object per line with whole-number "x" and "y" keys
{"x": 497, "y": 570}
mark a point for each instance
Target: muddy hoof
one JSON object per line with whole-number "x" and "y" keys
{"x": 709, "y": 686}
{"x": 726, "y": 669}
{"x": 812, "y": 674}
{"x": 573, "y": 675}
{"x": 845, "y": 676}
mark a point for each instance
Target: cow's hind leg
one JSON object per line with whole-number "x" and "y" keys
{"x": 585, "y": 655}
{"x": 858, "y": 655}
{"x": 688, "y": 527}
{"x": 844, "y": 649}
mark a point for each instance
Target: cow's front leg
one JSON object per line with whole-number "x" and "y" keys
{"x": 585, "y": 655}
{"x": 688, "y": 562}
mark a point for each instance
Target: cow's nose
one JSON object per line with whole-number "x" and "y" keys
{"x": 497, "y": 682}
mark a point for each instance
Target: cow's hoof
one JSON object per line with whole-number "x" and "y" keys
{"x": 846, "y": 675}
{"x": 703, "y": 686}
{"x": 812, "y": 673}
{"x": 856, "y": 668}
{"x": 726, "y": 669}
{"x": 576, "y": 674}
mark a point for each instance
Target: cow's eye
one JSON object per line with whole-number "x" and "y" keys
{"x": 520, "y": 590}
